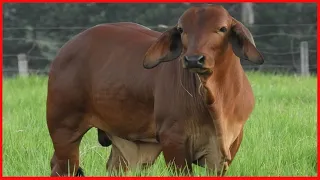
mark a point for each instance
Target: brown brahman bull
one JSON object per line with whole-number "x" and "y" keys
{"x": 192, "y": 108}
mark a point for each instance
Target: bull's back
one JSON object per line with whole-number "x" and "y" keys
{"x": 117, "y": 51}
{"x": 103, "y": 68}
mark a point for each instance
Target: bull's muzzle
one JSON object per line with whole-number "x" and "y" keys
{"x": 194, "y": 61}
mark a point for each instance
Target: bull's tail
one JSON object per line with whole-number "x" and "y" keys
{"x": 103, "y": 138}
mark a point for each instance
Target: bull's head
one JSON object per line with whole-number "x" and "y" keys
{"x": 202, "y": 36}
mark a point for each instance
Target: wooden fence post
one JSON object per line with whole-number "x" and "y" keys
{"x": 304, "y": 58}
{"x": 23, "y": 65}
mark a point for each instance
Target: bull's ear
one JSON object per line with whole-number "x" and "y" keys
{"x": 243, "y": 44}
{"x": 166, "y": 48}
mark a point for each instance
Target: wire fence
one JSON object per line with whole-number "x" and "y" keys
{"x": 41, "y": 48}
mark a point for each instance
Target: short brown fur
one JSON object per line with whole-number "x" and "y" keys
{"x": 134, "y": 84}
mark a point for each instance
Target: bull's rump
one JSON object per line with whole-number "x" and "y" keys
{"x": 100, "y": 70}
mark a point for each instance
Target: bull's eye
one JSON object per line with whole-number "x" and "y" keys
{"x": 223, "y": 29}
{"x": 180, "y": 30}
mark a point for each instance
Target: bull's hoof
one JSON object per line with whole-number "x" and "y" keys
{"x": 79, "y": 172}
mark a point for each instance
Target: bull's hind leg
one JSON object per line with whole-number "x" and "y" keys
{"x": 127, "y": 155}
{"x": 66, "y": 132}
{"x": 116, "y": 162}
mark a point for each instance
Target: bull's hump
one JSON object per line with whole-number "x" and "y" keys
{"x": 129, "y": 27}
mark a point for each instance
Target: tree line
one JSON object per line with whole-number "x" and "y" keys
{"x": 39, "y": 30}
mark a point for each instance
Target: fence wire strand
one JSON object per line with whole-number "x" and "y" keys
{"x": 293, "y": 51}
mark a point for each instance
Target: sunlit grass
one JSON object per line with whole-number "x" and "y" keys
{"x": 279, "y": 138}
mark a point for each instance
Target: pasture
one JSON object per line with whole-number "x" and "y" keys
{"x": 279, "y": 138}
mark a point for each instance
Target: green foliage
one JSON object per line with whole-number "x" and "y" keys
{"x": 279, "y": 138}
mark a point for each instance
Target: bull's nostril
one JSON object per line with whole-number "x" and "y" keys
{"x": 185, "y": 59}
{"x": 201, "y": 59}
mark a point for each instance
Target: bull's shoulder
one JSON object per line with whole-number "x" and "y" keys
{"x": 244, "y": 101}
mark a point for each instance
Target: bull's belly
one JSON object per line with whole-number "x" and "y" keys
{"x": 126, "y": 119}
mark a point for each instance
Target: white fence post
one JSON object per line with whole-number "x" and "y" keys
{"x": 247, "y": 13}
{"x": 304, "y": 58}
{"x": 23, "y": 65}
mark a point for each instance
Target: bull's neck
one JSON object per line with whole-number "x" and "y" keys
{"x": 195, "y": 88}
{"x": 227, "y": 76}
{"x": 184, "y": 92}
{"x": 191, "y": 92}
{"x": 188, "y": 84}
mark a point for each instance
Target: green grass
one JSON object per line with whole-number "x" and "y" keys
{"x": 279, "y": 138}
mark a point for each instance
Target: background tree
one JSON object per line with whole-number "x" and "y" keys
{"x": 41, "y": 29}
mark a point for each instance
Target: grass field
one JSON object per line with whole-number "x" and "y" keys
{"x": 279, "y": 138}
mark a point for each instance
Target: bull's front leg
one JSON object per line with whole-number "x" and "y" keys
{"x": 174, "y": 144}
